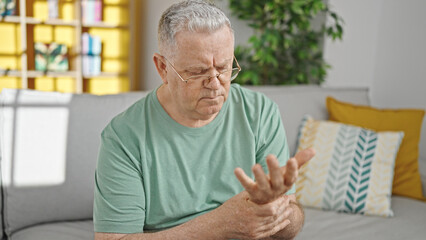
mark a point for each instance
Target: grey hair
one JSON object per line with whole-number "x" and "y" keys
{"x": 190, "y": 15}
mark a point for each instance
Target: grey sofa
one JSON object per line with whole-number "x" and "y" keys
{"x": 49, "y": 146}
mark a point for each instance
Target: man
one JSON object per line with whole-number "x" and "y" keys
{"x": 166, "y": 165}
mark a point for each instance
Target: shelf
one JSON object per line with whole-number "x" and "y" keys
{"x": 10, "y": 73}
{"x": 60, "y": 22}
{"x": 10, "y": 19}
{"x": 34, "y": 74}
{"x": 31, "y": 20}
{"x": 52, "y": 22}
{"x": 106, "y": 75}
{"x": 17, "y": 19}
{"x": 103, "y": 25}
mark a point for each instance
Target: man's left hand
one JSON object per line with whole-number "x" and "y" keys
{"x": 269, "y": 187}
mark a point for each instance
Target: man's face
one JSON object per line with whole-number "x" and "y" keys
{"x": 200, "y": 54}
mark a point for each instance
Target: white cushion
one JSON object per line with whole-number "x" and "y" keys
{"x": 352, "y": 170}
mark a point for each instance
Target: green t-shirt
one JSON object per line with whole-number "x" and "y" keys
{"x": 153, "y": 173}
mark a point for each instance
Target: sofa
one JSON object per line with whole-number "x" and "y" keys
{"x": 49, "y": 147}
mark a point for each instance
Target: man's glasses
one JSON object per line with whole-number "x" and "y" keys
{"x": 225, "y": 76}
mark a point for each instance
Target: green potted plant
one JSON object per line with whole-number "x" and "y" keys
{"x": 285, "y": 47}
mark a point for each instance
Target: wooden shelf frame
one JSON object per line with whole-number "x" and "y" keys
{"x": 77, "y": 73}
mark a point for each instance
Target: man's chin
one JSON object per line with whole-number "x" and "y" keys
{"x": 210, "y": 106}
{"x": 211, "y": 109}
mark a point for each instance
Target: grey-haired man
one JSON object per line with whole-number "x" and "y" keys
{"x": 173, "y": 165}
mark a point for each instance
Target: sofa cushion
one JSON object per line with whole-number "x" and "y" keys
{"x": 49, "y": 145}
{"x": 407, "y": 180}
{"x": 296, "y": 101}
{"x": 77, "y": 230}
{"x": 407, "y": 224}
{"x": 352, "y": 170}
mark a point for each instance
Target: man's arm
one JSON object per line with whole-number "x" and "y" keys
{"x": 191, "y": 230}
{"x": 237, "y": 218}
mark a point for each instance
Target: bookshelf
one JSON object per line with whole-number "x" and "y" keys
{"x": 117, "y": 30}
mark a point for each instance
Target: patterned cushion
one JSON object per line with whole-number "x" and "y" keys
{"x": 407, "y": 181}
{"x": 352, "y": 171}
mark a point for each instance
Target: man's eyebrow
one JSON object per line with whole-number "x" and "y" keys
{"x": 194, "y": 68}
{"x": 204, "y": 68}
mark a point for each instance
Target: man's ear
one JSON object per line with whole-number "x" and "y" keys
{"x": 160, "y": 64}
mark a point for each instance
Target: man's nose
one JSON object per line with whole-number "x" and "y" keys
{"x": 213, "y": 82}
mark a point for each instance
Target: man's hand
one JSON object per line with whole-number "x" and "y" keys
{"x": 243, "y": 219}
{"x": 269, "y": 187}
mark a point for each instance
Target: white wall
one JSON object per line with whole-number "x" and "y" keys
{"x": 353, "y": 58}
{"x": 153, "y": 10}
{"x": 400, "y": 74}
{"x": 383, "y": 48}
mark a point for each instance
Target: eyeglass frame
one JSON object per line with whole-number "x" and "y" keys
{"x": 206, "y": 76}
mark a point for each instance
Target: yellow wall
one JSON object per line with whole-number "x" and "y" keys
{"x": 115, "y": 48}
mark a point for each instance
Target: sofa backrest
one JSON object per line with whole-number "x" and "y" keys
{"x": 50, "y": 141}
{"x": 49, "y": 144}
{"x": 296, "y": 101}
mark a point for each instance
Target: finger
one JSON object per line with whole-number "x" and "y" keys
{"x": 272, "y": 209}
{"x": 272, "y": 230}
{"x": 278, "y": 221}
{"x": 274, "y": 173}
{"x": 245, "y": 180}
{"x": 262, "y": 180}
{"x": 283, "y": 216}
{"x": 280, "y": 226}
{"x": 284, "y": 204}
{"x": 304, "y": 156}
{"x": 291, "y": 171}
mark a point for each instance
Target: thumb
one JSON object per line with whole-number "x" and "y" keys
{"x": 304, "y": 156}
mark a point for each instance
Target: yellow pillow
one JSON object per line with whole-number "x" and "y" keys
{"x": 406, "y": 181}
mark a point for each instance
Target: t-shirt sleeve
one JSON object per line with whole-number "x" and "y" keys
{"x": 272, "y": 138}
{"x": 119, "y": 198}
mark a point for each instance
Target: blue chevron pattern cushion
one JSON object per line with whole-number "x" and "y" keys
{"x": 352, "y": 171}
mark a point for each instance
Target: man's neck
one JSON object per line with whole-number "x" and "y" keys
{"x": 172, "y": 110}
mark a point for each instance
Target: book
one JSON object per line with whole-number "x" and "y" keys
{"x": 41, "y": 53}
{"x": 57, "y": 57}
{"x": 98, "y": 10}
{"x": 95, "y": 65}
{"x": 96, "y": 45}
{"x": 51, "y": 57}
{"x": 53, "y": 9}
{"x": 86, "y": 65}
{"x": 91, "y": 11}
{"x": 7, "y": 7}
{"x": 91, "y": 65}
{"x": 91, "y": 49}
{"x": 91, "y": 45}
{"x": 85, "y": 42}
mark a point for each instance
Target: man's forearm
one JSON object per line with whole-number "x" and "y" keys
{"x": 205, "y": 226}
{"x": 296, "y": 223}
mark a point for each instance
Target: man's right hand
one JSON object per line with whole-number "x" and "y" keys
{"x": 244, "y": 219}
